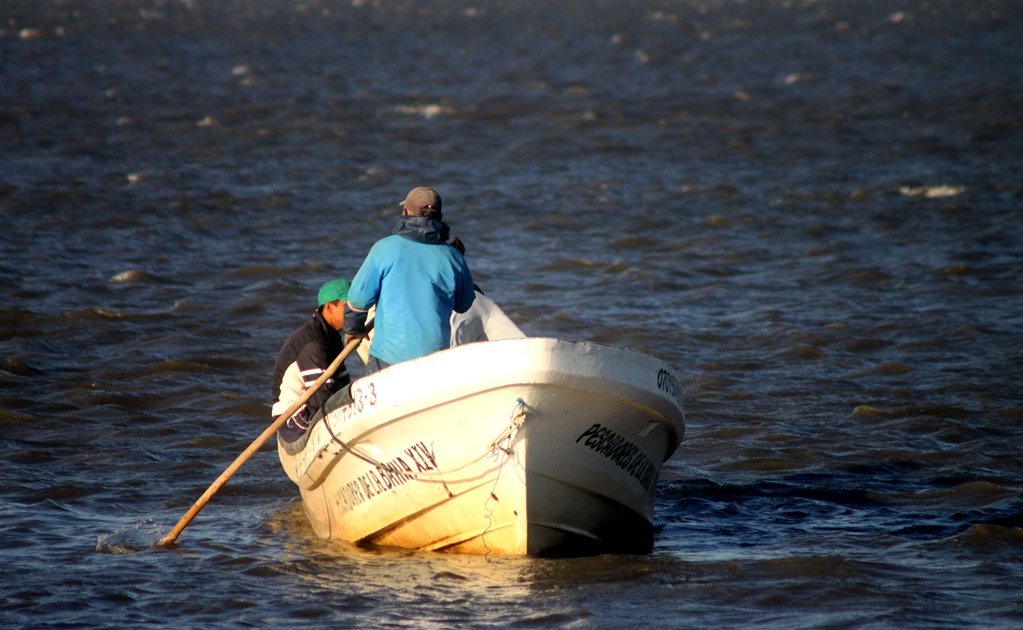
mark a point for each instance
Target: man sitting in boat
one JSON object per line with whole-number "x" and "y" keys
{"x": 305, "y": 355}
{"x": 415, "y": 278}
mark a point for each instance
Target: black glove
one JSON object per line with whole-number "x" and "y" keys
{"x": 355, "y": 321}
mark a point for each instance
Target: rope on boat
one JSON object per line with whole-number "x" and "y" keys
{"x": 517, "y": 419}
{"x": 508, "y": 433}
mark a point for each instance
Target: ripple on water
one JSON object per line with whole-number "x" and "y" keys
{"x": 140, "y": 536}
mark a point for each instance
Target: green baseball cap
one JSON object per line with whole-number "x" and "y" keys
{"x": 332, "y": 291}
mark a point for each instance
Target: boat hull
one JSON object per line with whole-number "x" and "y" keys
{"x": 528, "y": 446}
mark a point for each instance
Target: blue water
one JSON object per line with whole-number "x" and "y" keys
{"x": 812, "y": 210}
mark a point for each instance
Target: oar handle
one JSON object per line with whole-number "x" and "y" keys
{"x": 173, "y": 534}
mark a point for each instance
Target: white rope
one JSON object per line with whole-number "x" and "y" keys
{"x": 518, "y": 418}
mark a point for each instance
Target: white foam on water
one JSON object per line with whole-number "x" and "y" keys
{"x": 137, "y": 537}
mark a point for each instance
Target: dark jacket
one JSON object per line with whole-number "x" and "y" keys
{"x": 303, "y": 358}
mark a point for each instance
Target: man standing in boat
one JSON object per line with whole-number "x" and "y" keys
{"x": 305, "y": 355}
{"x": 415, "y": 278}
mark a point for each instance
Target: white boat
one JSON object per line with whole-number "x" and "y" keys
{"x": 534, "y": 446}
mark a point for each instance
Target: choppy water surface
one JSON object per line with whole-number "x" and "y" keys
{"x": 813, "y": 210}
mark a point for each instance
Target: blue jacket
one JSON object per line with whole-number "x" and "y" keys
{"x": 416, "y": 280}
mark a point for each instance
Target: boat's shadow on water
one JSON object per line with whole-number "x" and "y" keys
{"x": 376, "y": 571}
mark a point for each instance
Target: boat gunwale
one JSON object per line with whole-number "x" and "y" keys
{"x": 400, "y": 411}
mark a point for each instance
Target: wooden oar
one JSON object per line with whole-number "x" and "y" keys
{"x": 173, "y": 534}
